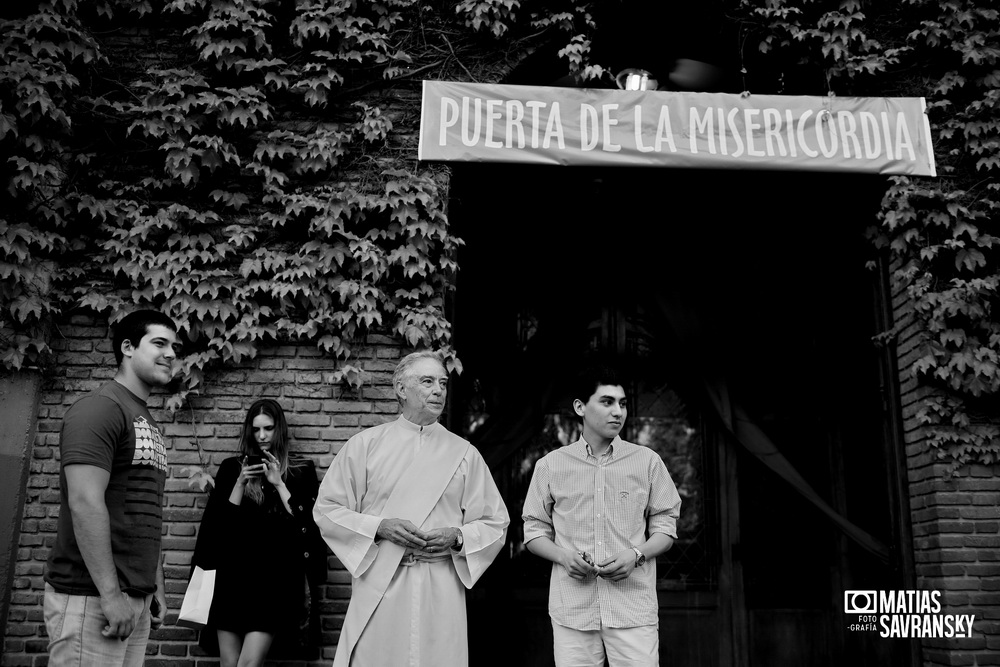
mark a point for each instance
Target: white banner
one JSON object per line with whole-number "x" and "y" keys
{"x": 581, "y": 126}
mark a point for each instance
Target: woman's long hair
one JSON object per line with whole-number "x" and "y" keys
{"x": 278, "y": 447}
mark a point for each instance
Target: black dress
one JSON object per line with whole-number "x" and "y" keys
{"x": 269, "y": 564}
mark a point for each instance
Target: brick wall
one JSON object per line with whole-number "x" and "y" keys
{"x": 956, "y": 522}
{"x": 321, "y": 418}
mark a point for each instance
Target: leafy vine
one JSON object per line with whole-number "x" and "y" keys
{"x": 941, "y": 232}
{"x": 228, "y": 197}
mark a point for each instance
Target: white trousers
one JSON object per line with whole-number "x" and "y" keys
{"x": 624, "y": 647}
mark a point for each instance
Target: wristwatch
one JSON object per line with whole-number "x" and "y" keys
{"x": 640, "y": 558}
{"x": 459, "y": 541}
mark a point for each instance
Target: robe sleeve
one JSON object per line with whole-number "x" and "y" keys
{"x": 348, "y": 532}
{"x": 485, "y": 521}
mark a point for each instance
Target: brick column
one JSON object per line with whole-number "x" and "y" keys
{"x": 956, "y": 522}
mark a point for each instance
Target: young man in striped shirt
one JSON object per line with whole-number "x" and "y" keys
{"x": 602, "y": 509}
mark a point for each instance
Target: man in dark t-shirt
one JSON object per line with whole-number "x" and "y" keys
{"x": 105, "y": 569}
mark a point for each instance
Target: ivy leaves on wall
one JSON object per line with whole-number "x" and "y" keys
{"x": 945, "y": 232}
{"x": 942, "y": 232}
{"x": 38, "y": 79}
{"x": 224, "y": 188}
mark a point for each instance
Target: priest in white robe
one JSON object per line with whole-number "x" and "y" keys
{"x": 413, "y": 513}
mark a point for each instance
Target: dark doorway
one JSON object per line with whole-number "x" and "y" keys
{"x": 749, "y": 283}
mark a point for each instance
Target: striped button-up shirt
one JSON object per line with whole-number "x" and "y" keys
{"x": 601, "y": 506}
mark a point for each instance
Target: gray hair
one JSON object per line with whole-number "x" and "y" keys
{"x": 403, "y": 368}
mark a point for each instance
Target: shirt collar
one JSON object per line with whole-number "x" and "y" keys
{"x": 610, "y": 452}
{"x": 415, "y": 428}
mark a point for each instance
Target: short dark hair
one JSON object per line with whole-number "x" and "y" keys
{"x": 134, "y": 326}
{"x": 593, "y": 376}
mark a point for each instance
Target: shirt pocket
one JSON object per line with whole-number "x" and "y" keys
{"x": 628, "y": 513}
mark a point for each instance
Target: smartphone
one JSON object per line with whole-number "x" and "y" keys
{"x": 254, "y": 460}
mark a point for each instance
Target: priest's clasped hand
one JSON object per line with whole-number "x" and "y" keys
{"x": 441, "y": 539}
{"x": 403, "y": 533}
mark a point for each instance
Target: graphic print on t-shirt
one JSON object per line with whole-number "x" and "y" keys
{"x": 149, "y": 450}
{"x": 143, "y": 502}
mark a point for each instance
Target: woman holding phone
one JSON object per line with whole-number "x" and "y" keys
{"x": 258, "y": 534}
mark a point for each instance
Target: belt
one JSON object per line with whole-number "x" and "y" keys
{"x": 411, "y": 558}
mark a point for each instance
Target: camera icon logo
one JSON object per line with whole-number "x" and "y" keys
{"x": 860, "y": 602}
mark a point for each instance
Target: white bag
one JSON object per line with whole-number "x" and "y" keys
{"x": 197, "y": 599}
